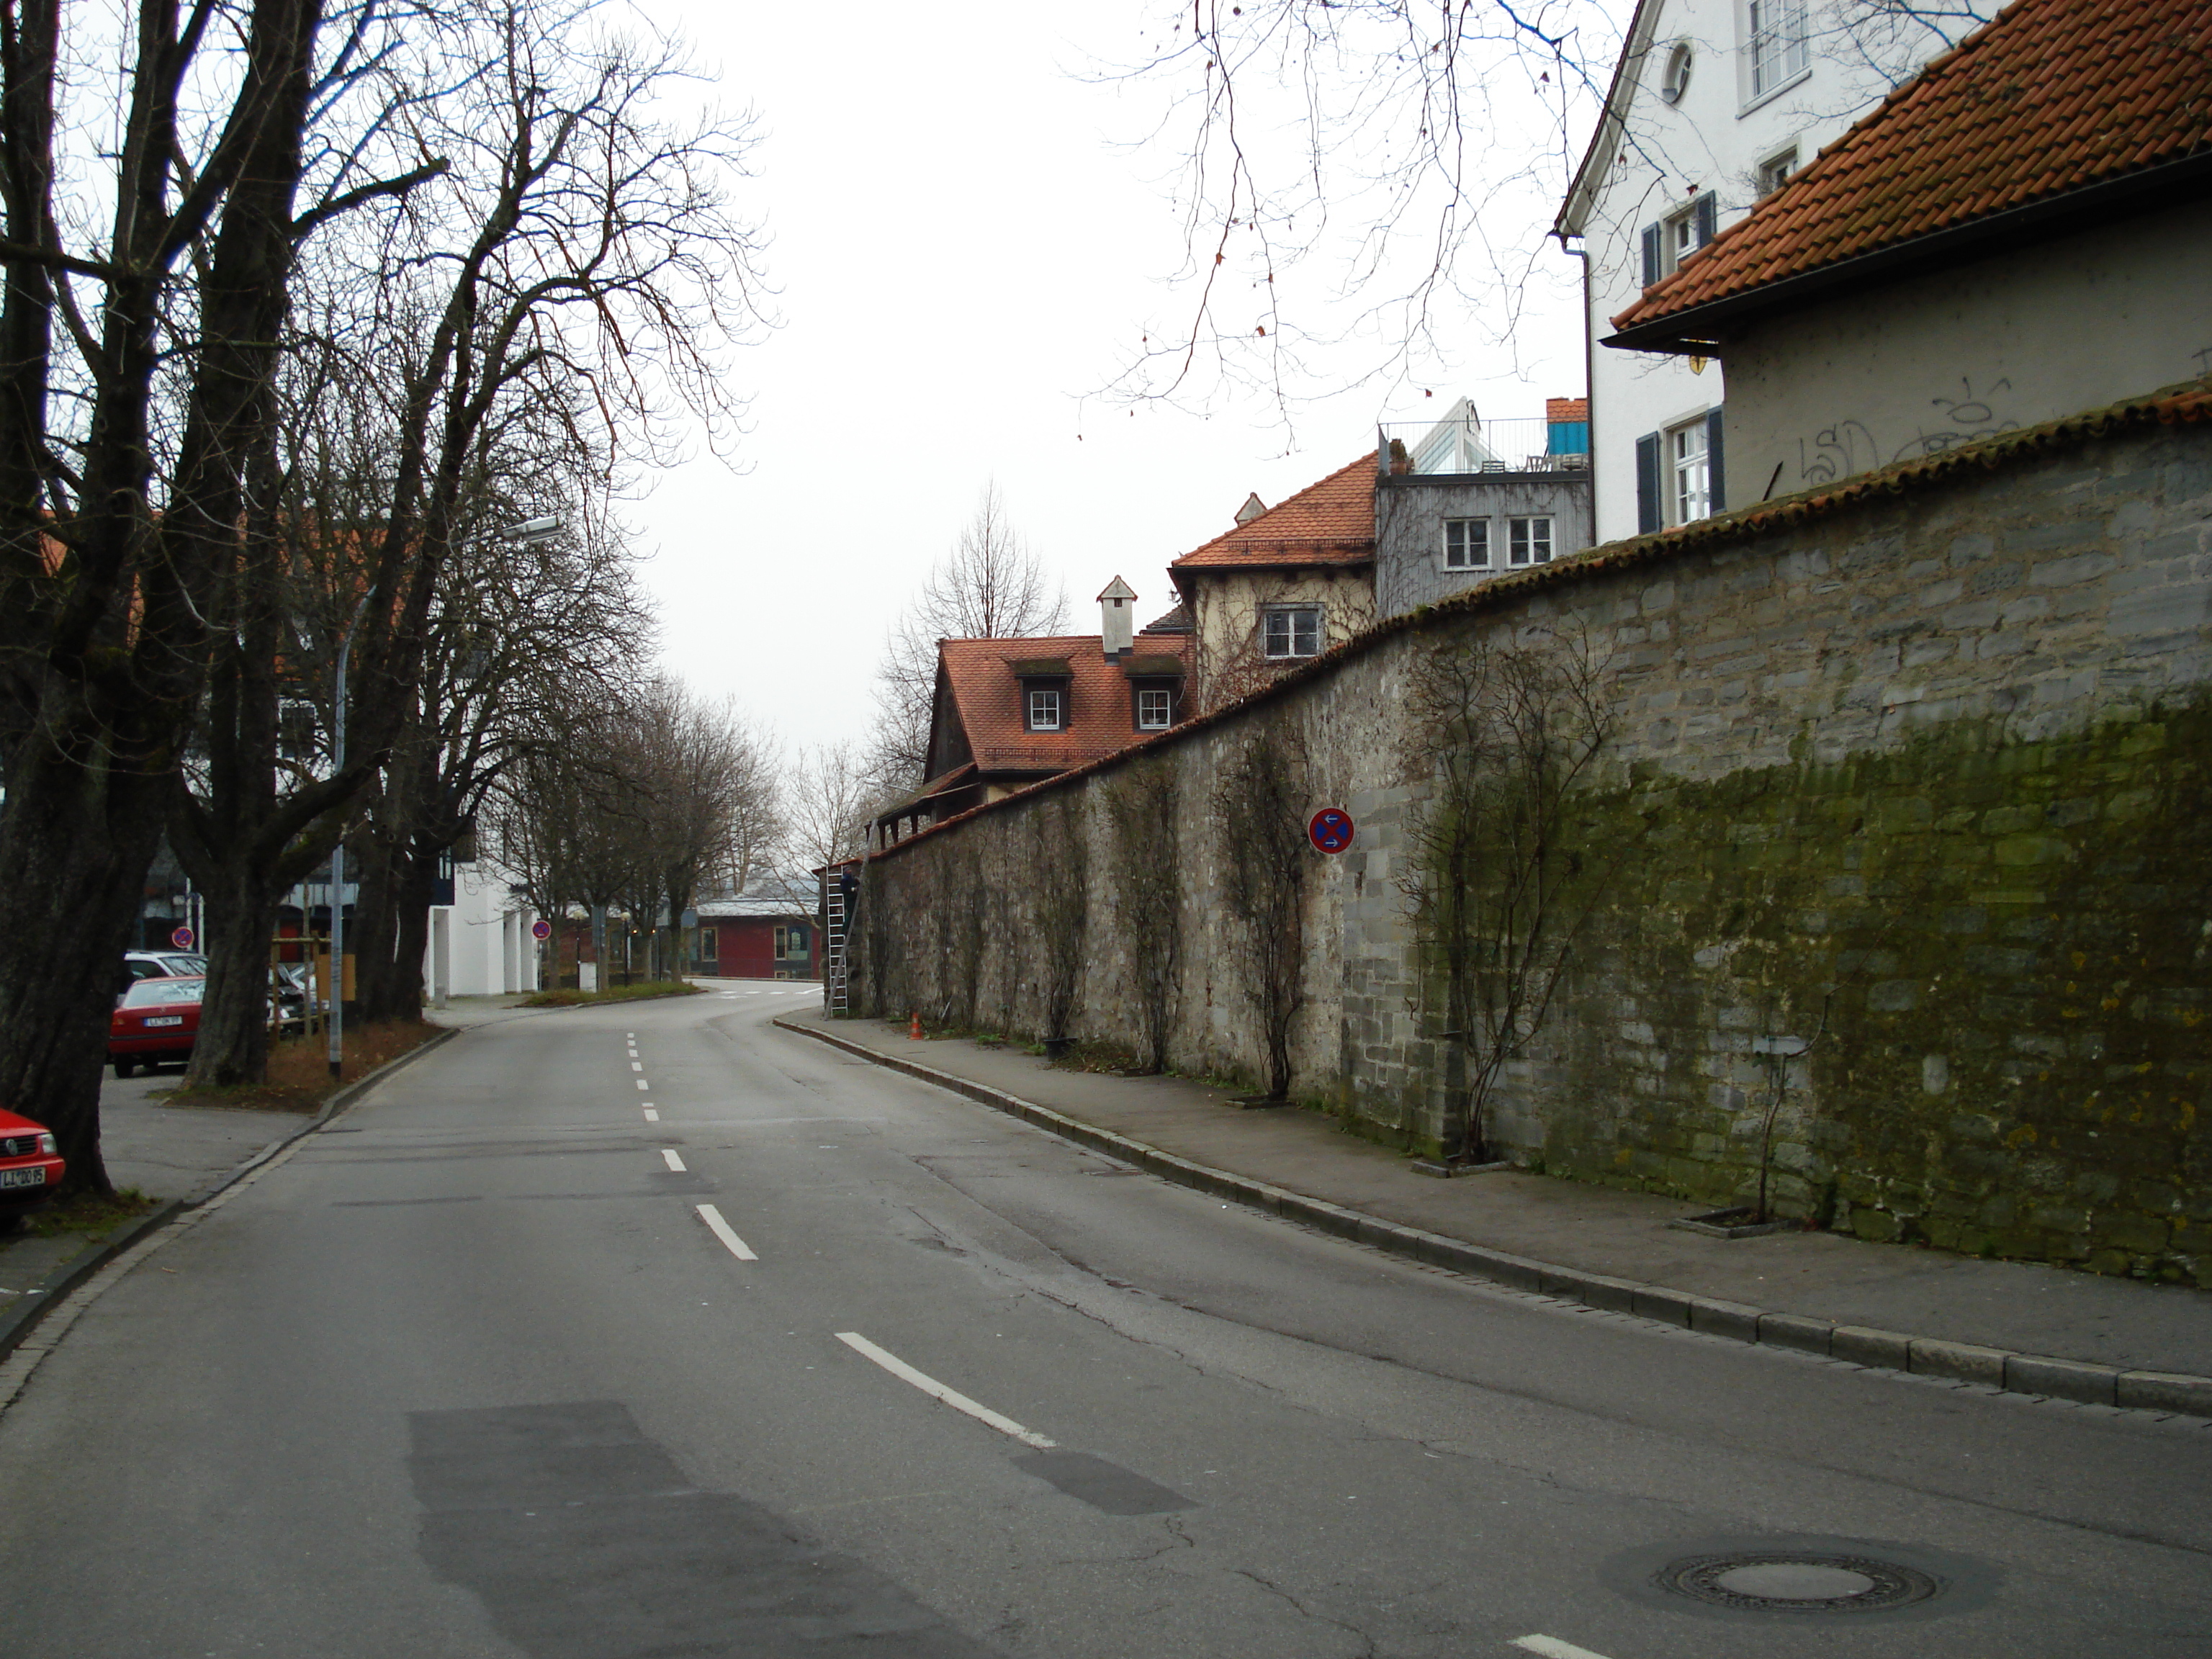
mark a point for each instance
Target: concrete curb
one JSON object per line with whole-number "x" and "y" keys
{"x": 20, "y": 1322}
{"x": 2177, "y": 1393}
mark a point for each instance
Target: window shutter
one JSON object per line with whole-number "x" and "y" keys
{"x": 1651, "y": 272}
{"x": 1708, "y": 218}
{"x": 1648, "y": 493}
{"x": 1715, "y": 492}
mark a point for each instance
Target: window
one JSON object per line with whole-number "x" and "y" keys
{"x": 1779, "y": 52}
{"x": 1679, "y": 478}
{"x": 1676, "y": 80}
{"x": 1774, "y": 171}
{"x": 1044, "y": 708}
{"x": 1290, "y": 630}
{"x": 791, "y": 944}
{"x": 1467, "y": 544}
{"x": 1688, "y": 482}
{"x": 1678, "y": 235}
{"x": 707, "y": 945}
{"x": 1155, "y": 708}
{"x": 1528, "y": 541}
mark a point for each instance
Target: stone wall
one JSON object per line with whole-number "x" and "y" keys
{"x": 1916, "y": 773}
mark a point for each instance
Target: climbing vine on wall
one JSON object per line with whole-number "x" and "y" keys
{"x": 1499, "y": 880}
{"x": 1147, "y": 881}
{"x": 1260, "y": 808}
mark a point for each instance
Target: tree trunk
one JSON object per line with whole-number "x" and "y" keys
{"x": 380, "y": 968}
{"x": 410, "y": 936}
{"x": 75, "y": 840}
{"x": 233, "y": 1045}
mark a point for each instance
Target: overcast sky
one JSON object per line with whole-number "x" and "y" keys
{"x": 964, "y": 247}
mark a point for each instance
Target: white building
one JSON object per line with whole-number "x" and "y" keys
{"x": 481, "y": 944}
{"x": 1714, "y": 103}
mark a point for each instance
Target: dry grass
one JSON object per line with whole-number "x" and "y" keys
{"x": 93, "y": 1214}
{"x": 569, "y": 998}
{"x": 298, "y": 1077}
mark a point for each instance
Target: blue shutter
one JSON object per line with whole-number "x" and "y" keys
{"x": 1715, "y": 492}
{"x": 1650, "y": 255}
{"x": 1649, "y": 517}
{"x": 1708, "y": 218}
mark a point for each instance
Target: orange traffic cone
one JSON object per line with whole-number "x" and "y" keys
{"x": 914, "y": 1031}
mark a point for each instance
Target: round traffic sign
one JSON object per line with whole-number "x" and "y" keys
{"x": 1331, "y": 830}
{"x": 182, "y": 938}
{"x": 541, "y": 929}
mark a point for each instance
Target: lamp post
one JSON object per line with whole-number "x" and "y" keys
{"x": 530, "y": 530}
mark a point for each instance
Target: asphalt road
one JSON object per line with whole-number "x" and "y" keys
{"x": 472, "y": 1374}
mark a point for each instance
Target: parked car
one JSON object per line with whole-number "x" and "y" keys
{"x": 30, "y": 1168}
{"x": 158, "y": 964}
{"x": 157, "y": 1019}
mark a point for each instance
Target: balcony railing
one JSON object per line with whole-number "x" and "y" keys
{"x": 1468, "y": 444}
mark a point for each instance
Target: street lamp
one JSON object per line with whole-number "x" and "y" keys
{"x": 530, "y": 530}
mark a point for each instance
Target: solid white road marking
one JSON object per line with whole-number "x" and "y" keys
{"x": 721, "y": 1229}
{"x": 643, "y": 1085}
{"x": 1552, "y": 1648}
{"x": 652, "y": 1116}
{"x": 673, "y": 1158}
{"x": 936, "y": 1390}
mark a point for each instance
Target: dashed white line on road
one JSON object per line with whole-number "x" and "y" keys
{"x": 1552, "y": 1648}
{"x": 721, "y": 1229}
{"x": 652, "y": 1116}
{"x": 642, "y": 1084}
{"x": 636, "y": 1065}
{"x": 936, "y": 1390}
{"x": 673, "y": 1158}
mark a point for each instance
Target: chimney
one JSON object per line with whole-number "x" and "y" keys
{"x": 1253, "y": 507}
{"x": 1117, "y": 624}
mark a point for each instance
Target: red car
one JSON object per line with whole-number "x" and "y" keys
{"x": 155, "y": 1020}
{"x": 29, "y": 1169}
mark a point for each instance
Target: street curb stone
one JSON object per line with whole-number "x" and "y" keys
{"x": 2180, "y": 1394}
{"x": 20, "y": 1321}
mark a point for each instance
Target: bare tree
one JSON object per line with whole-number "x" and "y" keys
{"x": 536, "y": 300}
{"x": 828, "y": 801}
{"x": 990, "y": 586}
{"x": 137, "y": 355}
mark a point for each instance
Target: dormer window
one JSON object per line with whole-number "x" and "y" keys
{"x": 1155, "y": 708}
{"x": 1047, "y": 709}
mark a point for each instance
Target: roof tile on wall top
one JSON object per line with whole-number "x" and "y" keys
{"x": 2048, "y": 96}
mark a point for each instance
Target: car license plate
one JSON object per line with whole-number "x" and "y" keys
{"x": 36, "y": 1177}
{"x": 166, "y": 1019}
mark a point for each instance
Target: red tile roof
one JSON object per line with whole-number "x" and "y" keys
{"x": 1331, "y": 522}
{"x": 988, "y": 699}
{"x": 2048, "y": 97}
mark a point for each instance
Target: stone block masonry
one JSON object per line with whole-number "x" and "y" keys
{"x": 1913, "y": 776}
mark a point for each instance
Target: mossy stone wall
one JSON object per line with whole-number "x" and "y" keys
{"x": 1919, "y": 778}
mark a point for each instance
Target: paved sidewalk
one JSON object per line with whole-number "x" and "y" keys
{"x": 164, "y": 1151}
{"x": 1823, "y": 1276}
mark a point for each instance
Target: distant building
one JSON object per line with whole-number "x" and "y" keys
{"x": 767, "y": 933}
{"x": 1469, "y": 500}
{"x": 1283, "y": 585}
{"x": 2020, "y": 233}
{"x": 1011, "y": 713}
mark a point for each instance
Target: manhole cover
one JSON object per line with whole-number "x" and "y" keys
{"x": 1792, "y": 1581}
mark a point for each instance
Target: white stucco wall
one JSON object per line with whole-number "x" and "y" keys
{"x": 1885, "y": 374}
{"x": 480, "y": 944}
{"x": 1714, "y": 139}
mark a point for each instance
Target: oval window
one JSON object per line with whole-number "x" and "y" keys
{"x": 1676, "y": 81}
